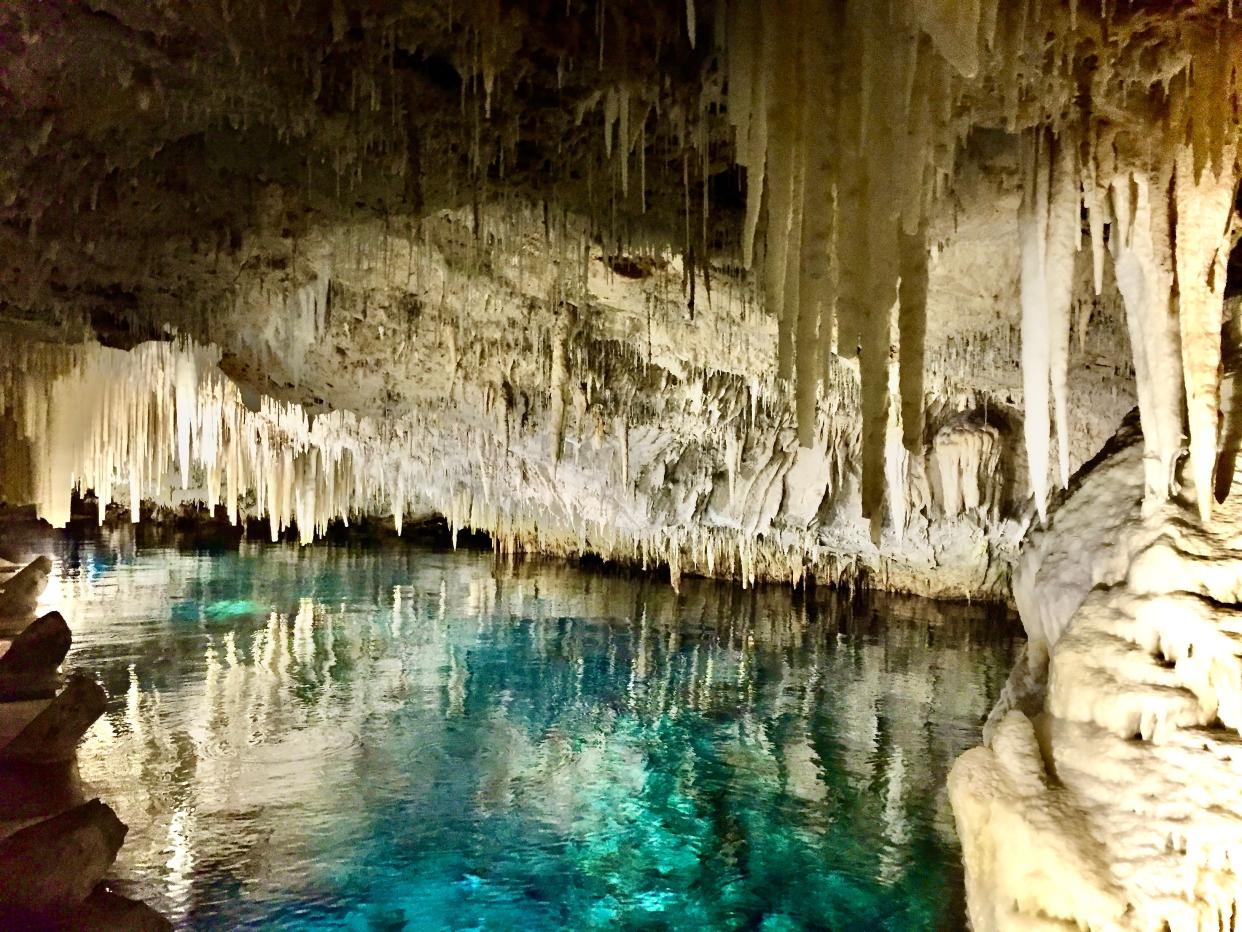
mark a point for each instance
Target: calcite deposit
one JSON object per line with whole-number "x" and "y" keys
{"x": 1112, "y": 760}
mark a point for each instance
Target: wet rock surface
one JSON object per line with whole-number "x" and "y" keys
{"x": 55, "y": 846}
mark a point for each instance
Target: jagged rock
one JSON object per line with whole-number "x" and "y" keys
{"x": 46, "y": 732}
{"x": 52, "y": 866}
{"x": 29, "y": 666}
{"x": 20, "y": 593}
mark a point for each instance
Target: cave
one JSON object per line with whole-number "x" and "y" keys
{"x": 583, "y": 464}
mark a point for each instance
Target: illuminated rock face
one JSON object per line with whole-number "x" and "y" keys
{"x": 618, "y": 424}
{"x": 1111, "y": 762}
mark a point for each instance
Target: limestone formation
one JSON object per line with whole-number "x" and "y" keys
{"x": 55, "y": 847}
{"x": 1112, "y": 761}
{"x": 106, "y": 911}
{"x": 29, "y": 791}
{"x": 55, "y": 863}
{"x": 510, "y": 278}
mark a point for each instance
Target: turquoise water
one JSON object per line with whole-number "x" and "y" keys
{"x": 392, "y": 738}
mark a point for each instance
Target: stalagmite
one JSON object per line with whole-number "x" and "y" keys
{"x": 1122, "y": 780}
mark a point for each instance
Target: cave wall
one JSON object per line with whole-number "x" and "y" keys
{"x": 518, "y": 379}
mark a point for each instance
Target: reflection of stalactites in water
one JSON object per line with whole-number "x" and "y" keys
{"x": 133, "y": 705}
{"x": 455, "y": 687}
{"x": 303, "y": 635}
{"x": 329, "y": 650}
{"x": 180, "y": 862}
{"x": 803, "y": 775}
{"x": 211, "y": 669}
{"x": 896, "y": 827}
{"x": 397, "y": 620}
{"x": 614, "y": 734}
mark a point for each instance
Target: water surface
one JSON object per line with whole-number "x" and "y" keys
{"x": 393, "y": 738}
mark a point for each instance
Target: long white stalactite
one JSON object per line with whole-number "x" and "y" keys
{"x": 1204, "y": 210}
{"x": 1036, "y": 320}
{"x": 1143, "y": 262}
{"x": 1050, "y": 234}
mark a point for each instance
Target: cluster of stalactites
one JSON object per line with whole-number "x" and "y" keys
{"x": 162, "y": 423}
{"x": 843, "y": 118}
{"x": 847, "y": 116}
{"x": 1165, "y": 214}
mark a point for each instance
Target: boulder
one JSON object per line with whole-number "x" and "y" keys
{"x": 29, "y": 667}
{"x": 53, "y": 732}
{"x": 36, "y": 791}
{"x": 20, "y": 593}
{"x": 51, "y": 866}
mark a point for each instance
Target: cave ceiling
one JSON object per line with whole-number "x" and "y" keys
{"x": 151, "y": 149}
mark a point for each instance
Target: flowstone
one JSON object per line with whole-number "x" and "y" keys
{"x": 1108, "y": 793}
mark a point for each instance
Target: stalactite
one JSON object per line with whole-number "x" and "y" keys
{"x": 782, "y": 120}
{"x": 1095, "y": 201}
{"x": 884, "y": 136}
{"x": 912, "y": 328}
{"x": 1036, "y": 321}
{"x": 752, "y": 46}
{"x": 1064, "y": 239}
{"x": 1142, "y": 260}
{"x": 816, "y": 295}
{"x": 841, "y": 179}
{"x": 1203, "y": 210}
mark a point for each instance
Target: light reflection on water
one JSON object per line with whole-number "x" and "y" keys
{"x": 394, "y": 738}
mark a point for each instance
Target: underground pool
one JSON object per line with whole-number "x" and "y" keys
{"x": 386, "y": 737}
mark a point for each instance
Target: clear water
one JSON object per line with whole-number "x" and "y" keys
{"x": 396, "y": 738}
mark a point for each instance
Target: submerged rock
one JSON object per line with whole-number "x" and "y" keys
{"x": 106, "y": 911}
{"x": 29, "y": 791}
